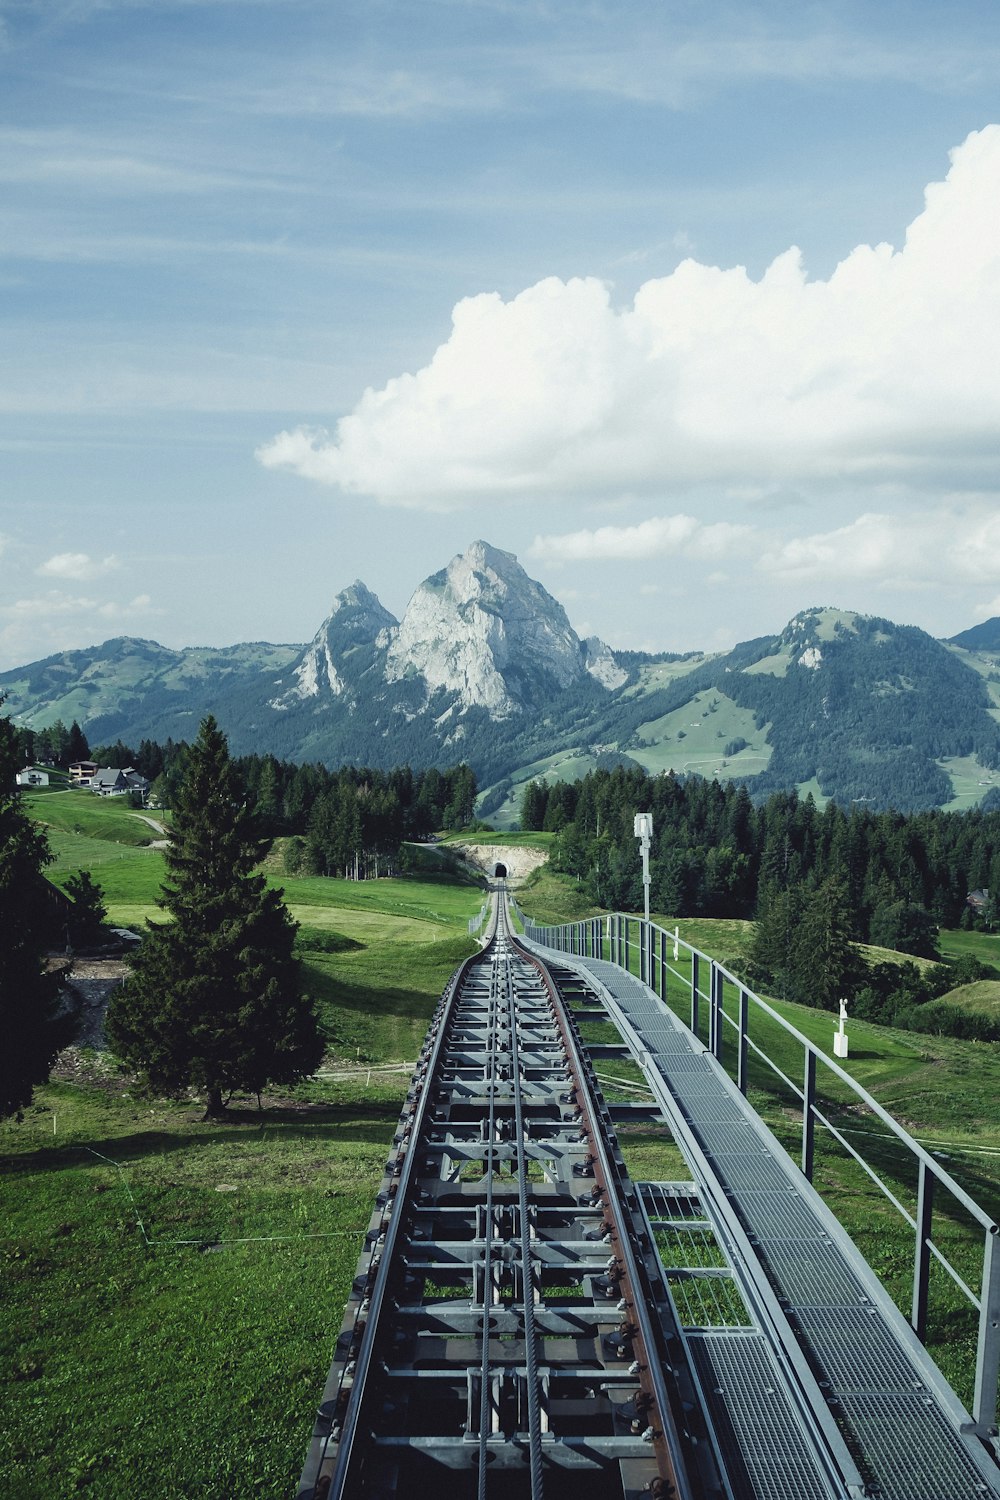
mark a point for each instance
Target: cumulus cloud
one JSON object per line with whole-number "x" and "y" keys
{"x": 140, "y": 605}
{"x": 885, "y": 371}
{"x": 960, "y": 543}
{"x": 660, "y": 536}
{"x": 76, "y": 565}
{"x": 36, "y": 625}
{"x": 57, "y": 602}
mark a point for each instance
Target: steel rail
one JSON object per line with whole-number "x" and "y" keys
{"x": 637, "y": 1327}
{"x": 349, "y": 1431}
{"x": 501, "y": 1086}
{"x": 527, "y": 1269}
{"x": 485, "y": 1377}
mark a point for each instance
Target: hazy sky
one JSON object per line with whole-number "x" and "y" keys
{"x": 693, "y": 306}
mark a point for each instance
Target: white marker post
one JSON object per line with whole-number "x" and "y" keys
{"x": 840, "y": 1035}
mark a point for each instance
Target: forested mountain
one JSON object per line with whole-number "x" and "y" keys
{"x": 485, "y": 667}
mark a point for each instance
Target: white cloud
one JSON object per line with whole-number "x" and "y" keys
{"x": 140, "y": 605}
{"x": 48, "y": 606}
{"x": 58, "y": 621}
{"x": 886, "y": 371}
{"x": 76, "y": 565}
{"x": 660, "y": 536}
{"x": 953, "y": 543}
{"x": 57, "y": 603}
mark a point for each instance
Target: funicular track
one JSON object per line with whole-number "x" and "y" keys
{"x": 508, "y": 1332}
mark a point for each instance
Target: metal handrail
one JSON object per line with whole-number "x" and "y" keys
{"x": 610, "y": 937}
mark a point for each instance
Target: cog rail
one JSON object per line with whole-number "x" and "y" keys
{"x": 508, "y": 1332}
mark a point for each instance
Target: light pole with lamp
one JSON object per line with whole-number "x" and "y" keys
{"x": 643, "y": 829}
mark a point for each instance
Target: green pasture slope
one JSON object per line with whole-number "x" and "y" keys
{"x": 173, "y": 1289}
{"x": 943, "y": 1091}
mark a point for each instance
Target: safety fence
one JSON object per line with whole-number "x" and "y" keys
{"x": 955, "y": 1242}
{"x": 476, "y": 923}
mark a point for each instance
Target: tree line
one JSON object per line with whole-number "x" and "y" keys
{"x": 214, "y": 999}
{"x": 351, "y": 822}
{"x": 816, "y": 884}
{"x": 715, "y": 853}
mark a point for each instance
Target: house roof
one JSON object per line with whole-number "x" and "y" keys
{"x": 109, "y": 776}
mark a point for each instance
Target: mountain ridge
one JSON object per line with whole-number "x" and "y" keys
{"x": 485, "y": 666}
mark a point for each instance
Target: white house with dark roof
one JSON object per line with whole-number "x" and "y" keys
{"x": 32, "y": 776}
{"x": 111, "y": 781}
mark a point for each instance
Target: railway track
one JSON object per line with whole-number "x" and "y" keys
{"x": 508, "y": 1332}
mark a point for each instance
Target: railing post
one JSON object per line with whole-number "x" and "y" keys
{"x": 984, "y": 1402}
{"x": 663, "y": 966}
{"x": 808, "y": 1119}
{"x": 717, "y": 1007}
{"x": 922, "y": 1250}
{"x": 713, "y": 1013}
{"x": 741, "y": 1062}
{"x": 694, "y": 991}
{"x": 625, "y": 965}
{"x": 642, "y": 950}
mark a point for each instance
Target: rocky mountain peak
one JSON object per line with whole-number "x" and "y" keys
{"x": 357, "y": 620}
{"x": 484, "y": 631}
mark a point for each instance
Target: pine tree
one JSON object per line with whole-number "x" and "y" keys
{"x": 214, "y": 1000}
{"x": 825, "y": 965}
{"x": 86, "y": 923}
{"x": 76, "y": 744}
{"x": 33, "y": 1024}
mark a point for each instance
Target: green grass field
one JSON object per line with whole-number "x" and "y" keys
{"x": 528, "y": 840}
{"x": 173, "y": 1289}
{"x": 943, "y": 1091}
{"x": 693, "y": 738}
{"x": 107, "y": 819}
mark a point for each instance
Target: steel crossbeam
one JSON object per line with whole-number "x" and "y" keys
{"x": 500, "y": 1324}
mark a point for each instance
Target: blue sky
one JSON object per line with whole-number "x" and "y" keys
{"x": 295, "y": 293}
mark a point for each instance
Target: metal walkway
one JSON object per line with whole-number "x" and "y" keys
{"x": 825, "y": 1376}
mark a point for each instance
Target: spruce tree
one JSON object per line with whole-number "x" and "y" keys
{"x": 826, "y": 966}
{"x": 34, "y": 1024}
{"x": 214, "y": 1000}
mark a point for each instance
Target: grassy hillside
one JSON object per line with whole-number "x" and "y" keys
{"x": 173, "y": 1289}
{"x": 108, "y": 819}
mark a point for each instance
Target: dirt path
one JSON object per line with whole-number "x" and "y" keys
{"x": 157, "y": 827}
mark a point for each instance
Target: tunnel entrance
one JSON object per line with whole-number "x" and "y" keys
{"x": 500, "y": 872}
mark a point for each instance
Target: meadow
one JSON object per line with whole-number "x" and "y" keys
{"x": 943, "y": 1091}
{"x": 173, "y": 1288}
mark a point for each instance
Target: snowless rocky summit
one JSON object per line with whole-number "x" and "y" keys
{"x": 480, "y": 632}
{"x": 356, "y": 620}
{"x": 487, "y": 633}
